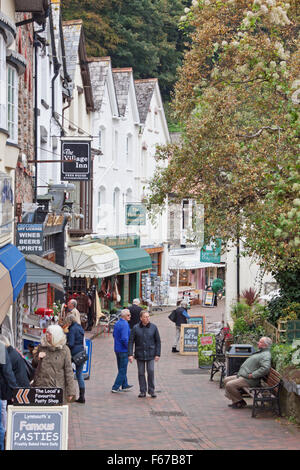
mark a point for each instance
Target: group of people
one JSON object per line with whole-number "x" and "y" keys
{"x": 51, "y": 361}
{"x": 136, "y": 337}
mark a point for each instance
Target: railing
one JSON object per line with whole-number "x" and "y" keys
{"x": 272, "y": 332}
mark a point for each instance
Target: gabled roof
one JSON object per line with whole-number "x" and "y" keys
{"x": 122, "y": 79}
{"x": 75, "y": 46}
{"x": 101, "y": 75}
{"x": 144, "y": 90}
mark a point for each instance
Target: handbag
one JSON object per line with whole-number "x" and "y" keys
{"x": 30, "y": 370}
{"x": 80, "y": 358}
{"x": 172, "y": 316}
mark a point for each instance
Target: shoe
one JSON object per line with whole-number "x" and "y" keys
{"x": 153, "y": 395}
{"x": 142, "y": 395}
{"x": 81, "y": 398}
{"x": 174, "y": 350}
{"x": 115, "y": 391}
{"x": 125, "y": 389}
{"x": 239, "y": 404}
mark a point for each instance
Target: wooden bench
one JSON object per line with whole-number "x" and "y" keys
{"x": 268, "y": 392}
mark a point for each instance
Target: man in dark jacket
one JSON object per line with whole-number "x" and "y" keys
{"x": 135, "y": 312}
{"x": 181, "y": 316}
{"x": 145, "y": 337}
{"x": 75, "y": 341}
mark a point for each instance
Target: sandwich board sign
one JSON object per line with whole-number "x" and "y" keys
{"x": 37, "y": 428}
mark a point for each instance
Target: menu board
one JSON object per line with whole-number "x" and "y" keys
{"x": 189, "y": 338}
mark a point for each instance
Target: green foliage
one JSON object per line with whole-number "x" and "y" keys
{"x": 142, "y": 34}
{"x": 289, "y": 282}
{"x": 281, "y": 356}
{"x": 248, "y": 320}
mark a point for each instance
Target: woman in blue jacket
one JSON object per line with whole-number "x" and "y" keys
{"x": 75, "y": 341}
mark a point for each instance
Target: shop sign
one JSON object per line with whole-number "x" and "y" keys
{"x": 38, "y": 396}
{"x": 76, "y": 164}
{"x": 6, "y": 204}
{"x": 37, "y": 428}
{"x": 211, "y": 253}
{"x": 135, "y": 214}
{"x": 29, "y": 238}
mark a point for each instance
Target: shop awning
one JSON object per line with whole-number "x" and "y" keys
{"x": 190, "y": 262}
{"x": 13, "y": 260}
{"x": 43, "y": 271}
{"x": 6, "y": 297}
{"x": 133, "y": 260}
{"x": 92, "y": 260}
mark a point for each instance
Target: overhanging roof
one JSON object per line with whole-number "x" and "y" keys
{"x": 43, "y": 271}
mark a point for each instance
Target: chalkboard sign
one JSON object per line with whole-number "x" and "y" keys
{"x": 208, "y": 299}
{"x": 198, "y": 320}
{"x": 189, "y": 338}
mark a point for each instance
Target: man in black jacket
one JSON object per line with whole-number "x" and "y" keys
{"x": 145, "y": 337}
{"x": 181, "y": 316}
{"x": 135, "y": 311}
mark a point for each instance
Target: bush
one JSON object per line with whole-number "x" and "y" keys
{"x": 281, "y": 356}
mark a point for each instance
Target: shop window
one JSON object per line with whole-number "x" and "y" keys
{"x": 12, "y": 104}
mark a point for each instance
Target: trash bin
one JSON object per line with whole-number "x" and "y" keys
{"x": 235, "y": 357}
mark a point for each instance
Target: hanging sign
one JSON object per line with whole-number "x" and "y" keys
{"x": 76, "y": 164}
{"x": 135, "y": 214}
{"x": 211, "y": 253}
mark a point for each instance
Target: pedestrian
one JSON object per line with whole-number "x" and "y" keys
{"x": 52, "y": 361}
{"x": 145, "y": 337}
{"x": 17, "y": 363}
{"x": 121, "y": 336}
{"x": 249, "y": 374}
{"x": 75, "y": 341}
{"x": 181, "y": 317}
{"x": 135, "y": 311}
{"x": 7, "y": 384}
{"x": 72, "y": 308}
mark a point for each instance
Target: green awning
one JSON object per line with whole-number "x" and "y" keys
{"x": 133, "y": 260}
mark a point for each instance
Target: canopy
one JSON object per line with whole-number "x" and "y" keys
{"x": 133, "y": 260}
{"x": 92, "y": 260}
{"x": 42, "y": 271}
{"x": 6, "y": 298}
{"x": 13, "y": 260}
{"x": 190, "y": 261}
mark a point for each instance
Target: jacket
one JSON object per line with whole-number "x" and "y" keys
{"x": 7, "y": 377}
{"x": 180, "y": 317}
{"x": 258, "y": 364}
{"x": 121, "y": 335}
{"x": 146, "y": 340}
{"x": 18, "y": 367}
{"x": 75, "y": 338}
{"x": 55, "y": 369}
{"x": 135, "y": 311}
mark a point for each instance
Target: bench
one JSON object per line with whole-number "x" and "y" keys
{"x": 218, "y": 364}
{"x": 268, "y": 392}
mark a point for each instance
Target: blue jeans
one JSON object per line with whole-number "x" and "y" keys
{"x": 79, "y": 375}
{"x": 122, "y": 362}
{"x": 2, "y": 430}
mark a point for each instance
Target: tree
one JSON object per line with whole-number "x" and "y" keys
{"x": 142, "y": 34}
{"x": 237, "y": 100}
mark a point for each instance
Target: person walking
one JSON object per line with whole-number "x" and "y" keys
{"x": 249, "y": 374}
{"x": 121, "y": 335}
{"x": 181, "y": 317}
{"x": 146, "y": 340}
{"x": 135, "y": 311}
{"x": 75, "y": 341}
{"x": 52, "y": 360}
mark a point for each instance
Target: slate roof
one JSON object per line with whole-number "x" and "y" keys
{"x": 98, "y": 67}
{"x": 144, "y": 91}
{"x": 122, "y": 82}
{"x": 72, "y": 32}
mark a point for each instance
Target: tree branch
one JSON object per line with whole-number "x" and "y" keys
{"x": 258, "y": 133}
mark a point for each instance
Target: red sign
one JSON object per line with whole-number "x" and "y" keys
{"x": 206, "y": 340}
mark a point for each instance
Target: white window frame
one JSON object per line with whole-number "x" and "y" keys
{"x": 3, "y": 78}
{"x": 12, "y": 104}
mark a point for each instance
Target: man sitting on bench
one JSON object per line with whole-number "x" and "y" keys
{"x": 249, "y": 374}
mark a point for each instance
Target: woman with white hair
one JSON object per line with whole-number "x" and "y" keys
{"x": 52, "y": 361}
